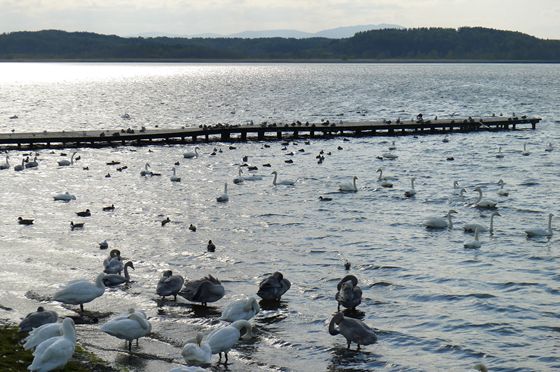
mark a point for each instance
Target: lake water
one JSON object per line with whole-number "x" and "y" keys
{"x": 434, "y": 304}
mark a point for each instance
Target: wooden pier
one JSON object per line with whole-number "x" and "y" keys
{"x": 260, "y": 132}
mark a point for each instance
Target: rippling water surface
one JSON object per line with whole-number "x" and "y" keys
{"x": 434, "y": 304}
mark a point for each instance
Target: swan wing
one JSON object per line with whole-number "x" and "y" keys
{"x": 223, "y": 339}
{"x": 56, "y": 354}
{"x": 42, "y": 333}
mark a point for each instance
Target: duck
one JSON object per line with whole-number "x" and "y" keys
{"x": 32, "y": 164}
{"x": 221, "y": 340}
{"x": 113, "y": 264}
{"x": 55, "y": 352}
{"x": 6, "y": 164}
{"x": 74, "y": 226}
{"x": 354, "y": 330}
{"x": 500, "y": 155}
{"x": 412, "y": 192}
{"x": 174, "y": 177}
{"x": 445, "y": 139}
{"x": 525, "y": 152}
{"x": 349, "y": 293}
{"x": 244, "y": 308}
{"x": 131, "y": 327}
{"x": 349, "y": 186}
{"x": 20, "y": 167}
{"x": 239, "y": 179}
{"x": 39, "y": 334}
{"x": 325, "y": 198}
{"x": 146, "y": 172}
{"x": 109, "y": 208}
{"x": 471, "y": 227}
{"x": 483, "y": 203}
{"x": 211, "y": 247}
{"x": 104, "y": 244}
{"x": 37, "y": 319}
{"x": 475, "y": 244}
{"x": 113, "y": 280}
{"x": 273, "y": 287}
{"x": 538, "y": 232}
{"x": 85, "y": 213}
{"x": 66, "y": 162}
{"x": 25, "y": 221}
{"x": 224, "y": 197}
{"x": 64, "y": 197}
{"x": 169, "y": 285}
{"x": 79, "y": 292}
{"x": 199, "y": 351}
{"x": 191, "y": 154}
{"x": 207, "y": 289}
{"x": 282, "y": 182}
{"x": 192, "y": 227}
{"x": 166, "y": 221}
{"x": 440, "y": 222}
{"x": 501, "y": 191}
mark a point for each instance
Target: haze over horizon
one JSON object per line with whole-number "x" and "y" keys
{"x": 187, "y": 17}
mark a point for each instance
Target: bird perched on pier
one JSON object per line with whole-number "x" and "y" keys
{"x": 349, "y": 293}
{"x": 353, "y": 330}
{"x": 273, "y": 287}
{"x": 169, "y": 285}
{"x": 37, "y": 319}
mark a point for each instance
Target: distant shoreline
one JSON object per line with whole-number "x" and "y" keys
{"x": 280, "y": 61}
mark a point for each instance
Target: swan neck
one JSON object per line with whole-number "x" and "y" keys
{"x": 332, "y": 329}
{"x": 476, "y": 232}
{"x": 274, "y": 180}
{"x": 380, "y": 175}
{"x": 412, "y": 183}
{"x": 354, "y": 183}
{"x": 450, "y": 221}
{"x": 492, "y": 222}
{"x": 550, "y": 224}
{"x": 479, "y": 197}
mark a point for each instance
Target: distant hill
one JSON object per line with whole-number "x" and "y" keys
{"x": 349, "y": 31}
{"x": 445, "y": 44}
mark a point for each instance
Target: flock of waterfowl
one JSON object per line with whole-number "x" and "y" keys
{"x": 54, "y": 342}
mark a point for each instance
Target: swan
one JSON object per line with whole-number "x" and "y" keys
{"x": 456, "y": 186}
{"x": 131, "y": 327}
{"x": 471, "y": 227}
{"x": 146, "y": 172}
{"x": 386, "y": 178}
{"x": 6, "y": 165}
{"x": 239, "y": 179}
{"x": 112, "y": 280}
{"x": 64, "y": 197}
{"x": 188, "y": 369}
{"x": 353, "y": 330}
{"x": 169, "y": 285}
{"x": 223, "y": 339}
{"x": 410, "y": 193}
{"x": 174, "y": 177}
{"x": 440, "y": 222}
{"x": 113, "y": 264}
{"x": 191, "y": 154}
{"x": 483, "y": 202}
{"x": 207, "y": 289}
{"x": 245, "y": 308}
{"x": 66, "y": 162}
{"x": 283, "y": 182}
{"x": 549, "y": 147}
{"x": 224, "y": 197}
{"x": 20, "y": 167}
{"x": 445, "y": 139}
{"x": 37, "y": 319}
{"x": 32, "y": 164}
{"x": 82, "y": 291}
{"x": 475, "y": 244}
{"x": 55, "y": 352}
{"x": 500, "y": 155}
{"x": 42, "y": 333}
{"x": 393, "y": 146}
{"x": 540, "y": 231}
{"x": 348, "y": 186}
{"x": 197, "y": 352}
{"x": 349, "y": 294}
{"x": 525, "y": 152}
{"x": 113, "y": 253}
{"x": 501, "y": 191}
{"x": 389, "y": 155}
{"x": 273, "y": 287}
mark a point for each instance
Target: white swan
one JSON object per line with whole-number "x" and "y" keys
{"x": 499, "y": 155}
{"x": 42, "y": 333}
{"x": 245, "y": 309}
{"x": 483, "y": 202}
{"x": 82, "y": 291}
{"x": 131, "y": 327}
{"x": 349, "y": 186}
{"x": 471, "y": 227}
{"x": 283, "y": 182}
{"x": 191, "y": 154}
{"x": 410, "y": 193}
{"x": 239, "y": 179}
{"x": 32, "y": 164}
{"x": 456, "y": 186}
{"x": 174, "y": 177}
{"x": 475, "y": 244}
{"x": 55, "y": 352}
{"x": 223, "y": 339}
{"x": 440, "y": 222}
{"x": 540, "y": 231}
{"x": 224, "y": 197}
{"x": 114, "y": 265}
{"x": 6, "y": 165}
{"x": 501, "y": 191}
{"x": 525, "y": 152}
{"x": 20, "y": 167}
{"x": 389, "y": 155}
{"x": 197, "y": 352}
{"x": 66, "y": 162}
{"x": 64, "y": 197}
{"x": 386, "y": 178}
{"x": 445, "y": 139}
{"x": 549, "y": 147}
{"x": 146, "y": 172}
{"x": 393, "y": 146}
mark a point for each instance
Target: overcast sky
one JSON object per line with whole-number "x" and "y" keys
{"x": 184, "y": 17}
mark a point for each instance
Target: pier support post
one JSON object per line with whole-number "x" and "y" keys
{"x": 225, "y": 136}
{"x": 296, "y": 134}
{"x": 243, "y": 136}
{"x": 279, "y": 135}
{"x": 193, "y": 139}
{"x": 260, "y": 135}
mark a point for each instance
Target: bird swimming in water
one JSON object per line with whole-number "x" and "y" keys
{"x": 211, "y": 247}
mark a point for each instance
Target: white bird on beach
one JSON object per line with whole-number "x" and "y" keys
{"x": 55, "y": 352}
{"x": 240, "y": 309}
{"x": 349, "y": 186}
{"x": 223, "y": 339}
{"x": 197, "y": 352}
{"x": 282, "y": 182}
{"x": 191, "y": 154}
{"x": 475, "y": 244}
{"x": 224, "y": 197}
{"x": 129, "y": 327}
{"x": 79, "y": 292}
{"x": 483, "y": 202}
{"x": 536, "y": 232}
{"x": 440, "y": 222}
{"x": 471, "y": 227}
